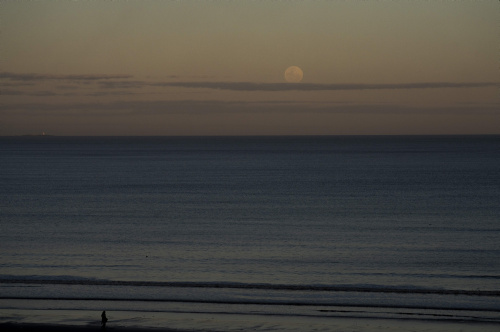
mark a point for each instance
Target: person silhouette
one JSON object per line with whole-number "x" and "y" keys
{"x": 104, "y": 319}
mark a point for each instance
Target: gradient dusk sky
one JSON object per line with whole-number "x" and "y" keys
{"x": 217, "y": 67}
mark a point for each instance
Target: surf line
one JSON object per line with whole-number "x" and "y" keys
{"x": 264, "y": 303}
{"x": 284, "y": 287}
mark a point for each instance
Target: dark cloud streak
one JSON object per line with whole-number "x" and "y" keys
{"x": 248, "y": 86}
{"x": 41, "y": 77}
{"x": 125, "y": 82}
{"x": 160, "y": 107}
{"x": 30, "y": 93}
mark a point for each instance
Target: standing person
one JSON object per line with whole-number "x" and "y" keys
{"x": 104, "y": 319}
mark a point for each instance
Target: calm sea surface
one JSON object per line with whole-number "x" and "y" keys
{"x": 295, "y": 222}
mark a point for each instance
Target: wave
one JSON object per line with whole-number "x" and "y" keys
{"x": 70, "y": 280}
{"x": 263, "y": 303}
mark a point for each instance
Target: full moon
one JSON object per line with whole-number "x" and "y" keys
{"x": 293, "y": 74}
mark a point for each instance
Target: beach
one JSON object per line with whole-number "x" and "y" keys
{"x": 144, "y": 322}
{"x": 250, "y": 233}
{"x": 42, "y": 316}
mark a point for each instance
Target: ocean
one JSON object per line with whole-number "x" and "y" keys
{"x": 251, "y": 233}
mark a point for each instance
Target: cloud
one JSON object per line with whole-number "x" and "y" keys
{"x": 248, "y": 86}
{"x": 125, "y": 82}
{"x": 40, "y": 77}
{"x": 45, "y": 93}
{"x": 159, "y": 107}
{"x": 69, "y": 91}
{"x": 15, "y": 84}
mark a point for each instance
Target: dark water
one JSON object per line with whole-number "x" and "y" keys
{"x": 360, "y": 221}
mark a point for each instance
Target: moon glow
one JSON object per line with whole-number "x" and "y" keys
{"x": 293, "y": 74}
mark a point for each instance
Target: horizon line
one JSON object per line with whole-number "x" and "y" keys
{"x": 45, "y": 135}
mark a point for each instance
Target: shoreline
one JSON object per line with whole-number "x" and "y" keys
{"x": 45, "y": 327}
{"x": 84, "y": 321}
{"x": 341, "y": 325}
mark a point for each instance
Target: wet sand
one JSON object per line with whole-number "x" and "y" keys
{"x": 50, "y": 320}
{"x": 340, "y": 325}
{"x": 31, "y": 327}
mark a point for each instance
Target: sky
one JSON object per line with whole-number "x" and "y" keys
{"x": 149, "y": 67}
